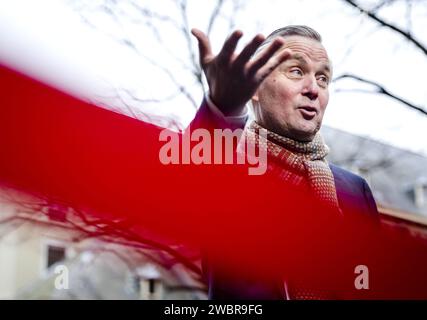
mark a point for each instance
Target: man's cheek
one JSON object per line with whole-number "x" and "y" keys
{"x": 324, "y": 101}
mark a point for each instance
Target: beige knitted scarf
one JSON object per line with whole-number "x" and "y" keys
{"x": 297, "y": 162}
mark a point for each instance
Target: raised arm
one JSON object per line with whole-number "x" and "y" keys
{"x": 234, "y": 78}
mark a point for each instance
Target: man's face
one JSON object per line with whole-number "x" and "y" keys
{"x": 291, "y": 101}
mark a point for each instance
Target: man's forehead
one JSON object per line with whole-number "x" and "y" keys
{"x": 303, "y": 48}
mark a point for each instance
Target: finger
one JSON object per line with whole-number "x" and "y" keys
{"x": 205, "y": 50}
{"x": 248, "y": 51}
{"x": 271, "y": 65}
{"x": 229, "y": 46}
{"x": 264, "y": 57}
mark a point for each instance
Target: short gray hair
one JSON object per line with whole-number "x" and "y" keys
{"x": 291, "y": 30}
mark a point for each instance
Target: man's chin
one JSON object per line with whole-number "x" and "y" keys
{"x": 304, "y": 132}
{"x": 303, "y": 135}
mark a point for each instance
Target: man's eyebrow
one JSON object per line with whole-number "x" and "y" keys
{"x": 299, "y": 58}
{"x": 327, "y": 68}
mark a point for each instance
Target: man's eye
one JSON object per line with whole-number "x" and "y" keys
{"x": 296, "y": 72}
{"x": 323, "y": 79}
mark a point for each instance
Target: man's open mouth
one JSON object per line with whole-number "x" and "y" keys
{"x": 308, "y": 112}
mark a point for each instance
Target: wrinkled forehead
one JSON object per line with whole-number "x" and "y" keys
{"x": 306, "y": 47}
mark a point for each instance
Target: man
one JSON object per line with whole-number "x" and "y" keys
{"x": 286, "y": 78}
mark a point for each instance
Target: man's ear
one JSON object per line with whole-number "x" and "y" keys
{"x": 255, "y": 97}
{"x": 255, "y": 106}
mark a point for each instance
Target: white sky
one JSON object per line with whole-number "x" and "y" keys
{"x": 48, "y": 40}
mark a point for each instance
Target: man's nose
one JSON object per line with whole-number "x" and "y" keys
{"x": 311, "y": 88}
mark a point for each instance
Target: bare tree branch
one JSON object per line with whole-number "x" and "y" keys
{"x": 408, "y": 14}
{"x": 149, "y": 15}
{"x": 181, "y": 88}
{"x": 214, "y": 16}
{"x": 406, "y": 34}
{"x": 381, "y": 90}
{"x": 382, "y": 4}
{"x": 154, "y": 15}
{"x": 237, "y": 6}
{"x": 84, "y": 226}
{"x": 187, "y": 36}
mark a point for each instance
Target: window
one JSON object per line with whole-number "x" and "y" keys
{"x": 54, "y": 254}
{"x": 149, "y": 282}
{"x": 151, "y": 286}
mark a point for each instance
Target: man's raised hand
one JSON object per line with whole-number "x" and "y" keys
{"x": 234, "y": 78}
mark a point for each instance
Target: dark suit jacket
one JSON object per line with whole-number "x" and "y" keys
{"x": 354, "y": 196}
